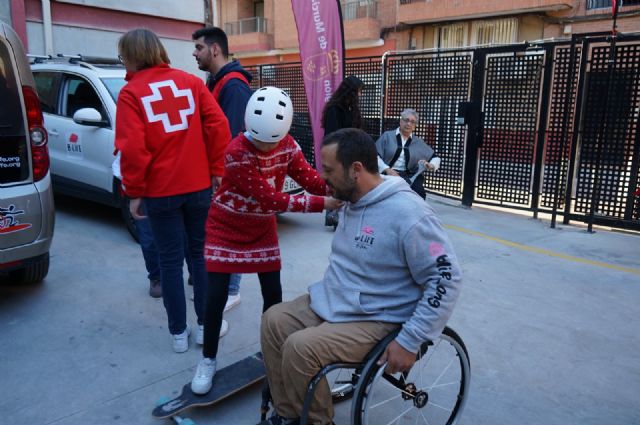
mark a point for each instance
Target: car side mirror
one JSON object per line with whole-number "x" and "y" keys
{"x": 90, "y": 117}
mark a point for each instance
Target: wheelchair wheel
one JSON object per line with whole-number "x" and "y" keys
{"x": 433, "y": 392}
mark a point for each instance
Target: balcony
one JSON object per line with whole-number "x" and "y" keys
{"x": 360, "y": 20}
{"x": 251, "y": 34}
{"x": 417, "y": 11}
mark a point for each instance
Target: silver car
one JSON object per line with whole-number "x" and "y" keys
{"x": 26, "y": 198}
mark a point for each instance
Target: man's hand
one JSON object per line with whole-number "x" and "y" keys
{"x": 331, "y": 203}
{"x": 397, "y": 358}
{"x": 134, "y": 208}
{"x": 215, "y": 183}
{"x": 391, "y": 172}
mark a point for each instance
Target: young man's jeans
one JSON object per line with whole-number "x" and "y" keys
{"x": 234, "y": 284}
{"x": 172, "y": 219}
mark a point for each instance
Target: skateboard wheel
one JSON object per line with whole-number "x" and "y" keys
{"x": 162, "y": 400}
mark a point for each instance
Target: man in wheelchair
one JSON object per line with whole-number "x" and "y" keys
{"x": 391, "y": 265}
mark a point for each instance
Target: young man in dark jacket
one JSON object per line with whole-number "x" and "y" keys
{"x": 229, "y": 83}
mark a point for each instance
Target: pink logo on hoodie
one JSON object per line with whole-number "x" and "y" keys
{"x": 367, "y": 230}
{"x": 435, "y": 249}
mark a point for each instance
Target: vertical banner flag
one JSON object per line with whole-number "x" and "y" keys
{"x": 320, "y": 36}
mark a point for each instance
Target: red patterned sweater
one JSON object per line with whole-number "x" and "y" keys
{"x": 241, "y": 228}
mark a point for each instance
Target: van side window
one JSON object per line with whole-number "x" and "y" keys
{"x": 47, "y": 84}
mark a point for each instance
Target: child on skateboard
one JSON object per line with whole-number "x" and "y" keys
{"x": 241, "y": 234}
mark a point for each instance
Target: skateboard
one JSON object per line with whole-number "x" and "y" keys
{"x": 226, "y": 382}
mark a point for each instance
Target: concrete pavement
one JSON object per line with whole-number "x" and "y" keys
{"x": 549, "y": 316}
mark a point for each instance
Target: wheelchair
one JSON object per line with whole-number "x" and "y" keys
{"x": 434, "y": 391}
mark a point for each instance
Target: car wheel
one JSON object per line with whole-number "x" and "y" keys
{"x": 129, "y": 221}
{"x": 33, "y": 272}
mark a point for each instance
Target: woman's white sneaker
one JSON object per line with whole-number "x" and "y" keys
{"x": 224, "y": 328}
{"x": 201, "y": 382}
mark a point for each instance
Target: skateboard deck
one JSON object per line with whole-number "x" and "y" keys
{"x": 226, "y": 382}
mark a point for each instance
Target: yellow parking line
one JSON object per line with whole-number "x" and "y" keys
{"x": 544, "y": 251}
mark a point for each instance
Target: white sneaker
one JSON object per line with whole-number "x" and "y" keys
{"x": 232, "y": 301}
{"x": 181, "y": 341}
{"x": 201, "y": 382}
{"x": 224, "y": 328}
{"x": 200, "y": 335}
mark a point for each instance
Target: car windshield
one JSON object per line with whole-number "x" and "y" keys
{"x": 114, "y": 85}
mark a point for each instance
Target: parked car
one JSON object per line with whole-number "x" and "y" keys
{"x": 26, "y": 198}
{"x": 78, "y": 95}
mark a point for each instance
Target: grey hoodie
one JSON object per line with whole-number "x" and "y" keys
{"x": 390, "y": 261}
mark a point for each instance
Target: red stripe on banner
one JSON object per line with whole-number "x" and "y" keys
{"x": 322, "y": 55}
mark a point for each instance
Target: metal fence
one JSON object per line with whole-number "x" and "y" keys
{"x": 547, "y": 127}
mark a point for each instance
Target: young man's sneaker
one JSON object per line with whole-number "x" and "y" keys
{"x": 201, "y": 382}
{"x": 232, "y": 301}
{"x": 224, "y": 328}
{"x": 279, "y": 420}
{"x": 155, "y": 288}
{"x": 181, "y": 341}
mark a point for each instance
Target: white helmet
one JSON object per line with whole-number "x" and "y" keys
{"x": 268, "y": 115}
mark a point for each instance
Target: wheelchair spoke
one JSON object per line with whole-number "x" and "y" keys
{"x": 443, "y": 372}
{"x": 440, "y": 407}
{"x": 426, "y": 421}
{"x": 380, "y": 403}
{"x": 400, "y": 415}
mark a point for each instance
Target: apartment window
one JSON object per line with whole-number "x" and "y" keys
{"x": 602, "y": 4}
{"x": 454, "y": 35}
{"x": 499, "y": 31}
{"x": 258, "y": 9}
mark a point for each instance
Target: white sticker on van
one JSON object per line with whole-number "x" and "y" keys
{"x": 74, "y": 146}
{"x": 8, "y": 221}
{"x": 9, "y": 162}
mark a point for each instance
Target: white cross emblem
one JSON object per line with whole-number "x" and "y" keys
{"x": 169, "y": 105}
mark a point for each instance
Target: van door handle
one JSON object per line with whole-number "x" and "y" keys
{"x": 54, "y": 132}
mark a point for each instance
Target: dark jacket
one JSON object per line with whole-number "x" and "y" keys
{"x": 234, "y": 96}
{"x": 335, "y": 118}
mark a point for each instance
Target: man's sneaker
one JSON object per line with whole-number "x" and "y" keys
{"x": 181, "y": 341}
{"x": 224, "y": 328}
{"x": 279, "y": 420}
{"x": 200, "y": 335}
{"x": 201, "y": 382}
{"x": 155, "y": 288}
{"x": 232, "y": 301}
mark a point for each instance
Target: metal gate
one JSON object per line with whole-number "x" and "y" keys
{"x": 549, "y": 127}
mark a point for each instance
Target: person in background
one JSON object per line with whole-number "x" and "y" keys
{"x": 229, "y": 84}
{"x": 382, "y": 275}
{"x": 342, "y": 110}
{"x": 172, "y": 135}
{"x": 401, "y": 153}
{"x": 242, "y": 233}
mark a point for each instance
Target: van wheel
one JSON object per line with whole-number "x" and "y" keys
{"x": 33, "y": 272}
{"x": 129, "y": 221}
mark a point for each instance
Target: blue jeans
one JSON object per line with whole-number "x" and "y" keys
{"x": 172, "y": 219}
{"x": 234, "y": 284}
{"x": 149, "y": 250}
{"x": 148, "y": 246}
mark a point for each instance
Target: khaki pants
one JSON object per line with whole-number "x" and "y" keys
{"x": 296, "y": 344}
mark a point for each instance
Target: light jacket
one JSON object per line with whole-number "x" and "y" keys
{"x": 390, "y": 261}
{"x": 386, "y": 145}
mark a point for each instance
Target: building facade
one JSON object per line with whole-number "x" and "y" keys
{"x": 264, "y": 31}
{"x": 92, "y": 27}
